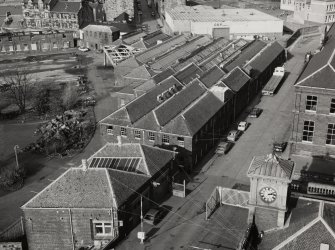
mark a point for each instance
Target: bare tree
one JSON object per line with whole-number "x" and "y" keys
{"x": 19, "y": 86}
{"x": 70, "y": 96}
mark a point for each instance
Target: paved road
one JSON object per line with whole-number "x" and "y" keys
{"x": 185, "y": 225}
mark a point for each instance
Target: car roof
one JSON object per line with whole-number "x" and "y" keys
{"x": 152, "y": 212}
{"x": 243, "y": 123}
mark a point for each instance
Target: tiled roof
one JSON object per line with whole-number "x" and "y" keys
{"x": 163, "y": 75}
{"x": 178, "y": 103}
{"x": 170, "y": 58}
{"x": 329, "y": 214}
{"x": 212, "y": 76}
{"x": 236, "y": 79}
{"x": 159, "y": 49}
{"x": 188, "y": 74}
{"x": 145, "y": 103}
{"x": 265, "y": 57}
{"x": 76, "y": 189}
{"x": 271, "y": 166}
{"x": 249, "y": 52}
{"x": 322, "y": 58}
{"x": 198, "y": 115}
{"x": 66, "y": 7}
{"x": 119, "y": 117}
{"x": 323, "y": 78}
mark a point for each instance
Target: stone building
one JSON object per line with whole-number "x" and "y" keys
{"x": 116, "y": 8}
{"x": 97, "y": 36}
{"x": 314, "y": 113}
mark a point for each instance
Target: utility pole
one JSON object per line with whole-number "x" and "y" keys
{"x": 142, "y": 219}
{"x": 16, "y": 147}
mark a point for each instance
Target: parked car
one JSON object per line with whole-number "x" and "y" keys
{"x": 153, "y": 216}
{"x": 255, "y": 112}
{"x": 242, "y": 126}
{"x": 153, "y": 14}
{"x": 224, "y": 147}
{"x": 83, "y": 49}
{"x": 279, "y": 146}
{"x": 233, "y": 135}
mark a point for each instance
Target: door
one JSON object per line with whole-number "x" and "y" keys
{"x": 221, "y": 32}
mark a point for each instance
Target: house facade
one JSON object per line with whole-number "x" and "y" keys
{"x": 97, "y": 36}
{"x": 314, "y": 113}
{"x": 98, "y": 203}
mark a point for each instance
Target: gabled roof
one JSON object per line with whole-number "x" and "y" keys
{"x": 247, "y": 53}
{"x": 163, "y": 75}
{"x": 153, "y": 38}
{"x": 321, "y": 59}
{"x": 178, "y": 103}
{"x": 271, "y": 166}
{"x": 212, "y": 76}
{"x": 265, "y": 57}
{"x": 141, "y": 72}
{"x": 236, "y": 79}
{"x": 66, "y": 7}
{"x": 188, "y": 74}
{"x": 76, "y": 188}
{"x": 101, "y": 28}
{"x": 323, "y": 78}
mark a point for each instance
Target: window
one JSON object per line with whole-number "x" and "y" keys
{"x": 332, "y": 106}
{"x": 181, "y": 141}
{"x": 151, "y": 136}
{"x": 102, "y": 228}
{"x": 137, "y": 134}
{"x": 165, "y": 139}
{"x": 308, "y": 131}
{"x": 122, "y": 102}
{"x": 123, "y": 131}
{"x": 110, "y": 130}
{"x": 311, "y": 103}
{"x": 331, "y": 134}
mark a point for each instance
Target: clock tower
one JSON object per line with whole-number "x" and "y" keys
{"x": 270, "y": 177}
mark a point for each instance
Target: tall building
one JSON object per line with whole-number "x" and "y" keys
{"x": 314, "y": 112}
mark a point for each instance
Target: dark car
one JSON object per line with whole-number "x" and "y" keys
{"x": 255, "y": 112}
{"x": 279, "y": 146}
{"x": 153, "y": 216}
{"x": 224, "y": 147}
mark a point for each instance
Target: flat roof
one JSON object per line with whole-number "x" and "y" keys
{"x": 202, "y": 13}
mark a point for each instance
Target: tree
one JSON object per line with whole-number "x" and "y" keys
{"x": 70, "y": 96}
{"x": 42, "y": 101}
{"x": 19, "y": 87}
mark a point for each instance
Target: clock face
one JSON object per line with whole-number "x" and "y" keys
{"x": 268, "y": 194}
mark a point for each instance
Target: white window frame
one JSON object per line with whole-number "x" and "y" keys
{"x": 331, "y": 134}
{"x": 110, "y": 129}
{"x": 165, "y": 139}
{"x": 307, "y": 132}
{"x": 311, "y": 103}
{"x": 151, "y": 136}
{"x": 103, "y": 225}
{"x": 123, "y": 131}
{"x": 137, "y": 134}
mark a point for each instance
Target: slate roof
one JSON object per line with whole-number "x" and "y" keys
{"x": 323, "y": 78}
{"x": 212, "y": 76}
{"x": 66, "y": 7}
{"x": 265, "y": 57}
{"x": 236, "y": 79}
{"x": 271, "y": 166}
{"x": 163, "y": 75}
{"x": 247, "y": 53}
{"x": 188, "y": 74}
{"x": 141, "y": 72}
{"x": 151, "y": 39}
{"x": 178, "y": 103}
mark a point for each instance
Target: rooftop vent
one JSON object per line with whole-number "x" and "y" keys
{"x": 160, "y": 98}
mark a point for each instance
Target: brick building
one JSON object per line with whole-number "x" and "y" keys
{"x": 35, "y": 41}
{"x": 99, "y": 201}
{"x": 116, "y": 8}
{"x": 97, "y": 36}
{"x": 314, "y": 113}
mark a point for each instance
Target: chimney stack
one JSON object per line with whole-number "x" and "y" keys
{"x": 119, "y": 141}
{"x": 84, "y": 164}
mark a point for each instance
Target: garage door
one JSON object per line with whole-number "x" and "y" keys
{"x": 221, "y": 32}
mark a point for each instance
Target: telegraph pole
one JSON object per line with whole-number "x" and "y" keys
{"x": 142, "y": 219}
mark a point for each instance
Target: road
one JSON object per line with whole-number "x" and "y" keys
{"x": 185, "y": 226}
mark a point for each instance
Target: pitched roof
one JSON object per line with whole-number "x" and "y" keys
{"x": 323, "y": 78}
{"x": 188, "y": 74}
{"x": 163, "y": 75}
{"x": 76, "y": 189}
{"x": 178, "y": 103}
{"x": 247, "y": 53}
{"x": 322, "y": 58}
{"x": 204, "y": 109}
{"x": 147, "y": 102}
{"x": 236, "y": 79}
{"x": 141, "y": 72}
{"x": 271, "y": 166}
{"x": 212, "y": 76}
{"x": 265, "y": 57}
{"x": 101, "y": 28}
{"x": 154, "y": 38}
{"x": 66, "y": 7}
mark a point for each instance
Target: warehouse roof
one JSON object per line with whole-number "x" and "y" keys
{"x": 212, "y": 76}
{"x": 188, "y": 74}
{"x": 201, "y": 13}
{"x": 236, "y": 79}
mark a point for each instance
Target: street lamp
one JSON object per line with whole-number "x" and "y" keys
{"x": 16, "y": 147}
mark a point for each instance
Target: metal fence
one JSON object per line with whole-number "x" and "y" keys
{"x": 13, "y": 232}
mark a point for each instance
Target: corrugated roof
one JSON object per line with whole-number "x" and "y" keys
{"x": 212, "y": 76}
{"x": 236, "y": 79}
{"x": 178, "y": 103}
{"x": 188, "y": 74}
{"x": 271, "y": 166}
{"x": 66, "y": 7}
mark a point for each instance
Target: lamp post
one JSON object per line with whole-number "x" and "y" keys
{"x": 16, "y": 147}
